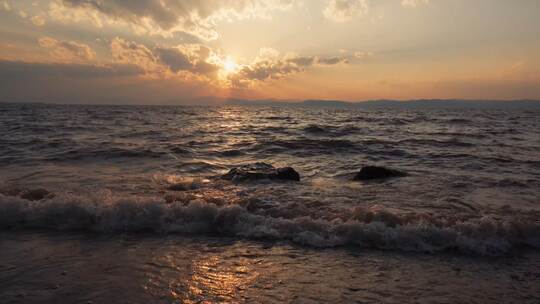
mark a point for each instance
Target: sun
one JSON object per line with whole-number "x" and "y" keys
{"x": 230, "y": 66}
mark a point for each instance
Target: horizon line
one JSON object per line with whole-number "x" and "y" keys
{"x": 219, "y": 101}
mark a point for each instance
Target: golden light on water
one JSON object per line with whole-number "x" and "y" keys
{"x": 224, "y": 284}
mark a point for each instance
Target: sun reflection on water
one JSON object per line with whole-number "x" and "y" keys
{"x": 207, "y": 279}
{"x": 211, "y": 280}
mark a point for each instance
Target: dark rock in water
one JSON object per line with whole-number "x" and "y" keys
{"x": 373, "y": 172}
{"x": 35, "y": 194}
{"x": 27, "y": 194}
{"x": 260, "y": 171}
{"x": 287, "y": 173}
{"x": 314, "y": 129}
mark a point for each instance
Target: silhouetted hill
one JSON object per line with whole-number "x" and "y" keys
{"x": 453, "y": 104}
{"x": 410, "y": 104}
{"x": 328, "y": 103}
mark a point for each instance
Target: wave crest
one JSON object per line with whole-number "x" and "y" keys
{"x": 370, "y": 228}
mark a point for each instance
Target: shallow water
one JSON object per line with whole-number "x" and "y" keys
{"x": 472, "y": 192}
{"x": 45, "y": 268}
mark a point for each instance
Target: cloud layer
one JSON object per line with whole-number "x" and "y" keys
{"x": 162, "y": 61}
{"x": 269, "y": 65}
{"x": 197, "y": 17}
{"x": 327, "y": 48}
{"x": 345, "y": 10}
{"x": 67, "y": 50}
{"x": 201, "y": 61}
{"x": 11, "y": 70}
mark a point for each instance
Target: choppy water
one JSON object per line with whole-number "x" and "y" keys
{"x": 473, "y": 184}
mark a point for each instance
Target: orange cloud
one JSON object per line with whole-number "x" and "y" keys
{"x": 67, "y": 50}
{"x": 38, "y": 20}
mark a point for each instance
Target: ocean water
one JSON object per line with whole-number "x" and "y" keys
{"x": 126, "y": 203}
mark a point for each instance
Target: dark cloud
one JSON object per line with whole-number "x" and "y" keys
{"x": 303, "y": 61}
{"x": 193, "y": 61}
{"x": 132, "y": 10}
{"x": 267, "y": 69}
{"x": 276, "y": 68}
{"x": 332, "y": 60}
{"x": 205, "y": 68}
{"x": 10, "y": 70}
{"x": 76, "y": 83}
{"x": 174, "y": 59}
{"x": 158, "y": 60}
{"x": 191, "y": 16}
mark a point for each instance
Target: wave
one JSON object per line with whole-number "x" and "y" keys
{"x": 231, "y": 153}
{"x": 277, "y": 118}
{"x": 276, "y": 129}
{"x": 458, "y": 121}
{"x": 308, "y": 144}
{"x": 199, "y": 167}
{"x": 106, "y": 153}
{"x": 452, "y": 134}
{"x": 453, "y": 142}
{"x": 328, "y": 130}
{"x": 373, "y": 227}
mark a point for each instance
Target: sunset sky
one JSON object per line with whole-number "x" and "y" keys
{"x": 175, "y": 51}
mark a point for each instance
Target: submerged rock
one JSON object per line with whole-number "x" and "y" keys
{"x": 374, "y": 172}
{"x": 27, "y": 194}
{"x": 314, "y": 129}
{"x": 35, "y": 194}
{"x": 260, "y": 171}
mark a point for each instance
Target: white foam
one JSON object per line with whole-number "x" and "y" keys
{"x": 370, "y": 228}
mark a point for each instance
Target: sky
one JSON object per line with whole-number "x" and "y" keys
{"x": 201, "y": 51}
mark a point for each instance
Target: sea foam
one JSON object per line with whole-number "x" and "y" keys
{"x": 367, "y": 228}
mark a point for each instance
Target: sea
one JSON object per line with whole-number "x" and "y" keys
{"x": 127, "y": 204}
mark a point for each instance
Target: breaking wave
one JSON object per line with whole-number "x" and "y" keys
{"x": 368, "y": 228}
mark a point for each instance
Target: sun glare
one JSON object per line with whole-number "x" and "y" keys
{"x": 230, "y": 66}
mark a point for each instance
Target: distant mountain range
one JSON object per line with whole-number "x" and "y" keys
{"x": 409, "y": 104}
{"x": 381, "y": 103}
